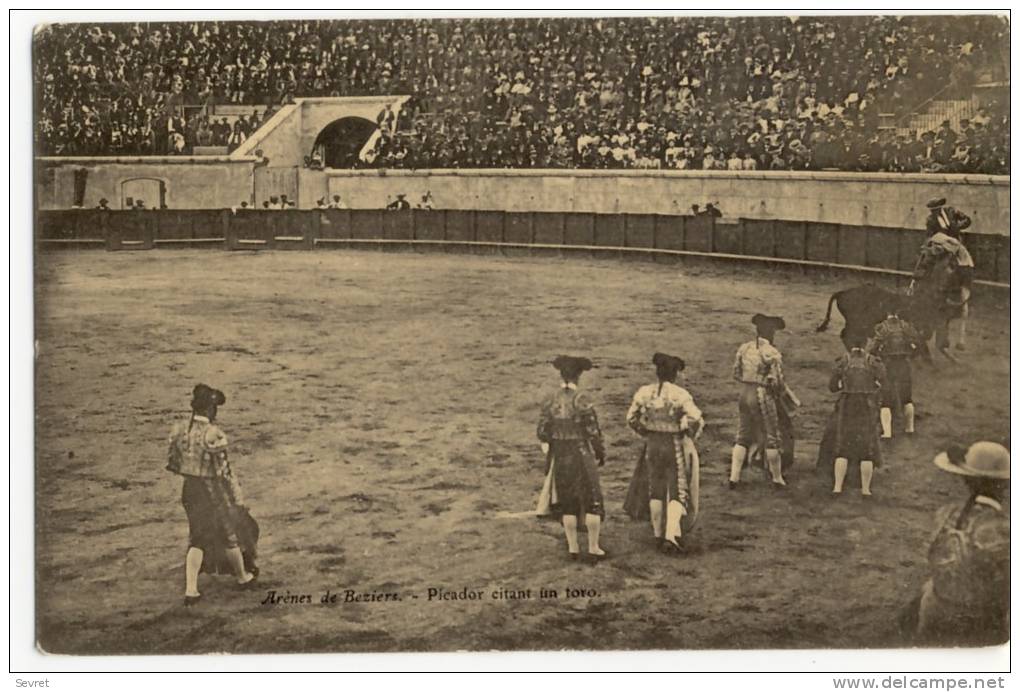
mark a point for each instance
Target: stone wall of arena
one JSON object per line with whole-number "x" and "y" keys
{"x": 857, "y": 199}
{"x": 863, "y": 199}
{"x": 200, "y": 182}
{"x": 857, "y": 248}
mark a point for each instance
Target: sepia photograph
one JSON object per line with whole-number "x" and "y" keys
{"x": 521, "y": 333}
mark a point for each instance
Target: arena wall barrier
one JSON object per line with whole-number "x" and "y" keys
{"x": 187, "y": 182}
{"x": 888, "y": 200}
{"x": 548, "y": 228}
{"x": 639, "y": 231}
{"x": 334, "y": 224}
{"x": 873, "y": 249}
{"x": 518, "y": 227}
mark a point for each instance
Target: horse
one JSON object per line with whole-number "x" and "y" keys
{"x": 943, "y": 286}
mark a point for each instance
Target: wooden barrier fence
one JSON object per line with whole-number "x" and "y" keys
{"x": 858, "y": 248}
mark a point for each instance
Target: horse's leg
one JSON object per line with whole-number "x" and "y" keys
{"x": 924, "y": 350}
{"x": 964, "y": 313}
{"x": 942, "y": 341}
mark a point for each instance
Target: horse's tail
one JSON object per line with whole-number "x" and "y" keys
{"x": 828, "y": 313}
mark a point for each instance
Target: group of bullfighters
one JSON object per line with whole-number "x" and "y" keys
{"x": 965, "y": 598}
{"x": 872, "y": 378}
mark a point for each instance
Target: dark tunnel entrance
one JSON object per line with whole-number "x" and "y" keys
{"x": 340, "y": 142}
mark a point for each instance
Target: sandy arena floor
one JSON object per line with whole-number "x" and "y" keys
{"x": 382, "y": 409}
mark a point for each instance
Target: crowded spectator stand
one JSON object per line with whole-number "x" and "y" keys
{"x": 702, "y": 93}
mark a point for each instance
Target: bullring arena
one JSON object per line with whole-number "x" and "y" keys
{"x": 382, "y": 407}
{"x": 384, "y": 369}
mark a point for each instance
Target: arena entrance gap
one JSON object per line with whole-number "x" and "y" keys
{"x": 341, "y": 142}
{"x": 151, "y": 191}
{"x": 290, "y": 137}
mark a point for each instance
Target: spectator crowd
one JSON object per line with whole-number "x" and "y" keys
{"x": 773, "y": 93}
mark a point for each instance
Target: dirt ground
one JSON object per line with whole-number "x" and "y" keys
{"x": 381, "y": 409}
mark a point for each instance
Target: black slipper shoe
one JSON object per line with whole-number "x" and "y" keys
{"x": 248, "y": 585}
{"x": 192, "y": 600}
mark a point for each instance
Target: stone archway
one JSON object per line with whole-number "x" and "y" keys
{"x": 340, "y": 143}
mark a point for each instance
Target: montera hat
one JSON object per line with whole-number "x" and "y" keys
{"x": 982, "y": 460}
{"x": 571, "y": 365}
{"x": 768, "y": 323}
{"x": 204, "y": 396}
{"x": 668, "y": 362}
{"x": 936, "y": 202}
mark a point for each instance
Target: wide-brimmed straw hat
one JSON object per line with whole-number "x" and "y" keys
{"x": 982, "y": 460}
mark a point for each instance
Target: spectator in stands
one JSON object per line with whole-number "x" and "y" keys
{"x": 203, "y": 134}
{"x": 337, "y": 203}
{"x": 400, "y": 203}
{"x": 221, "y": 132}
{"x": 708, "y": 161}
{"x": 176, "y": 143}
{"x": 236, "y": 137}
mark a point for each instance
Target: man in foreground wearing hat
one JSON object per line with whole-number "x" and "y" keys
{"x": 759, "y": 368}
{"x": 966, "y": 599}
{"x": 569, "y": 426}
{"x": 667, "y": 476}
{"x": 218, "y": 524}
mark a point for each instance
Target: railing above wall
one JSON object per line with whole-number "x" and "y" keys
{"x": 792, "y": 175}
{"x": 869, "y": 249}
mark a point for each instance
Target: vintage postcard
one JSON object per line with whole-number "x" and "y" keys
{"x": 524, "y": 333}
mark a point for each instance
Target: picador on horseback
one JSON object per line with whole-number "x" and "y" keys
{"x": 944, "y": 269}
{"x": 939, "y": 289}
